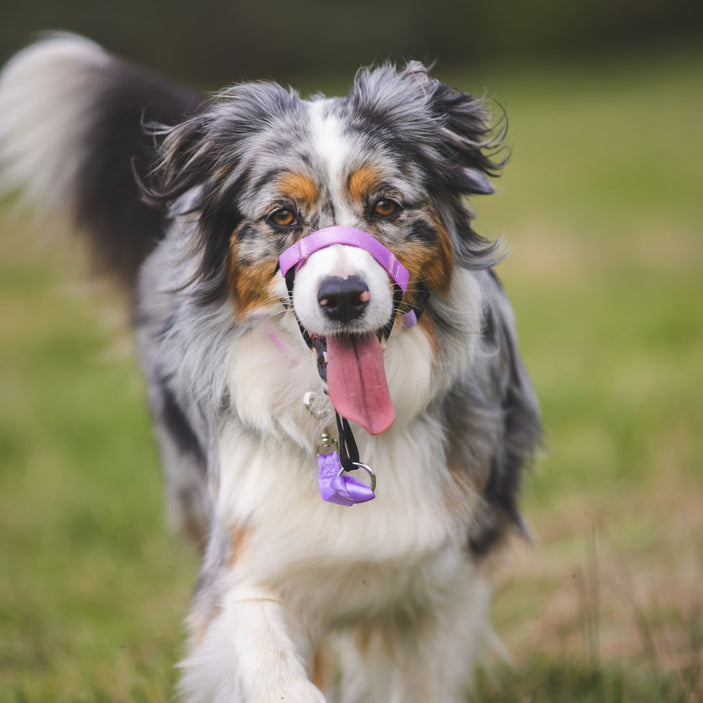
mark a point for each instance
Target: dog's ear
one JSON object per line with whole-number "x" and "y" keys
{"x": 452, "y": 132}
{"x": 184, "y": 181}
{"x": 207, "y": 150}
{"x": 470, "y": 144}
{"x": 204, "y": 163}
{"x": 469, "y": 141}
{"x": 184, "y": 162}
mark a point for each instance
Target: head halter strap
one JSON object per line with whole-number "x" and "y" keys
{"x": 293, "y": 258}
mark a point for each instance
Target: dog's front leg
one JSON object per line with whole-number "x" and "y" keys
{"x": 252, "y": 651}
{"x": 422, "y": 657}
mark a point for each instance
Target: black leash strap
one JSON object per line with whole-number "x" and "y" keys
{"x": 348, "y": 451}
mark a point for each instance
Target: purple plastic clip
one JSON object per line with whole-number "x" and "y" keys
{"x": 336, "y": 486}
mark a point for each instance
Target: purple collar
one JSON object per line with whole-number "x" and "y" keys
{"x": 296, "y": 255}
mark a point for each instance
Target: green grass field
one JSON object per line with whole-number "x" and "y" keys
{"x": 602, "y": 207}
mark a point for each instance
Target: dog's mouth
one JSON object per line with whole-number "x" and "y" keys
{"x": 351, "y": 362}
{"x": 352, "y": 365}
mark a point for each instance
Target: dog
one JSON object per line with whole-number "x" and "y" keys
{"x": 330, "y": 361}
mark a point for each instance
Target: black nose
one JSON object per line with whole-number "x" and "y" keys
{"x": 343, "y": 299}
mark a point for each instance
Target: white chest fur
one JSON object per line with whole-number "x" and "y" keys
{"x": 268, "y": 486}
{"x": 271, "y": 492}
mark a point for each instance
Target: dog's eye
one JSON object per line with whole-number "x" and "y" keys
{"x": 283, "y": 217}
{"x": 385, "y": 207}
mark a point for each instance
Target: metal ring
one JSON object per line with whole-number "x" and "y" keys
{"x": 366, "y": 468}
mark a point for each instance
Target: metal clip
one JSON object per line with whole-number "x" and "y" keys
{"x": 327, "y": 444}
{"x": 308, "y": 400}
{"x": 368, "y": 470}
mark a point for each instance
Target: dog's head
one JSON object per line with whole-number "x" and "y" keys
{"x": 261, "y": 169}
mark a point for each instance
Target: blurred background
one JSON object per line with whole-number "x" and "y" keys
{"x": 213, "y": 42}
{"x": 602, "y": 207}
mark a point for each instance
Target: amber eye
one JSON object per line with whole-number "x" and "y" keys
{"x": 283, "y": 217}
{"x": 385, "y": 207}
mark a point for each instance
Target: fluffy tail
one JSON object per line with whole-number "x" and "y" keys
{"x": 72, "y": 136}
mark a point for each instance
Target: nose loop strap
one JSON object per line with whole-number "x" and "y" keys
{"x": 297, "y": 254}
{"x": 293, "y": 258}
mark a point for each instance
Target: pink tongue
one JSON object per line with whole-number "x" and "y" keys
{"x": 356, "y": 381}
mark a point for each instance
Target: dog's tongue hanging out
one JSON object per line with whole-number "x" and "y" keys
{"x": 356, "y": 381}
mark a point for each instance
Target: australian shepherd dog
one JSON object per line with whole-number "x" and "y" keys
{"x": 330, "y": 361}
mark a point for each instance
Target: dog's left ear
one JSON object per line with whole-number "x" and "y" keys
{"x": 469, "y": 142}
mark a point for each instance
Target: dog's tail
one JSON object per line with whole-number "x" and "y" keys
{"x": 72, "y": 138}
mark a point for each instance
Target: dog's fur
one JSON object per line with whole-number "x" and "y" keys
{"x": 177, "y": 193}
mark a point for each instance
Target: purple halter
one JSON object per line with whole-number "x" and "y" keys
{"x": 296, "y": 255}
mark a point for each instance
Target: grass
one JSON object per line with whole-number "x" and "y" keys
{"x": 93, "y": 587}
{"x": 601, "y": 206}
{"x": 606, "y": 282}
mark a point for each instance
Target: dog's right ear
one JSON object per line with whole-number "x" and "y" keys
{"x": 210, "y": 149}
{"x": 183, "y": 168}
{"x": 204, "y": 164}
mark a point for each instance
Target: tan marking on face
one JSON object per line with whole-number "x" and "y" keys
{"x": 440, "y": 269}
{"x": 362, "y": 182}
{"x": 251, "y": 285}
{"x": 299, "y": 188}
{"x": 430, "y": 265}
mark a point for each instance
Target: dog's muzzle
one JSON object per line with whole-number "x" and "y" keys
{"x": 347, "y": 292}
{"x": 351, "y": 363}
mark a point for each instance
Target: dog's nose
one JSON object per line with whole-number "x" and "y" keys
{"x": 343, "y": 299}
